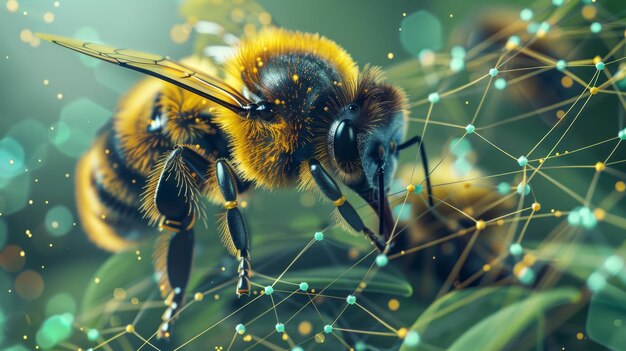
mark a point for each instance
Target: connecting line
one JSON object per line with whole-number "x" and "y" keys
{"x": 109, "y": 340}
{"x": 482, "y": 100}
{"x": 592, "y": 188}
{"x": 577, "y": 150}
{"x": 145, "y": 341}
{"x": 266, "y": 343}
{"x": 457, "y": 266}
{"x": 294, "y": 261}
{"x": 366, "y": 332}
{"x": 528, "y": 114}
{"x": 232, "y": 341}
{"x": 495, "y": 146}
{"x": 567, "y": 190}
{"x": 386, "y": 325}
{"x": 525, "y": 227}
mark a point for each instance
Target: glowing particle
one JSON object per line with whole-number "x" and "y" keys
{"x": 596, "y": 281}
{"x": 600, "y": 66}
{"x": 500, "y": 83}
{"x": 351, "y": 299}
{"x": 12, "y": 5}
{"x": 535, "y": 206}
{"x": 412, "y": 338}
{"x": 620, "y": 186}
{"x": 470, "y": 128}
{"x": 93, "y": 334}
{"x": 48, "y": 17}
{"x": 390, "y": 55}
{"x": 179, "y": 33}
{"x": 504, "y": 188}
{"x": 410, "y": 188}
{"x": 240, "y": 329}
{"x": 516, "y": 249}
{"x": 402, "y": 332}
{"x": 96, "y": 280}
{"x": 57, "y": 4}
{"x": 328, "y": 329}
{"x": 493, "y": 72}
{"x": 46, "y": 82}
{"x": 360, "y": 346}
{"x": 59, "y": 96}
{"x": 522, "y": 161}
{"x": 433, "y": 98}
{"x": 319, "y": 236}
{"x": 523, "y": 188}
{"x": 561, "y": 65}
{"x": 486, "y": 267}
{"x": 480, "y": 224}
{"x": 595, "y": 27}
{"x": 393, "y": 305}
{"x": 526, "y": 14}
{"x": 513, "y": 42}
{"x": 295, "y": 78}
{"x": 593, "y": 90}
{"x": 382, "y": 260}
{"x": 304, "y": 286}
{"x": 268, "y": 290}
{"x": 600, "y": 166}
{"x": 198, "y": 296}
{"x": 280, "y": 327}
{"x": 130, "y": 328}
{"x": 567, "y": 82}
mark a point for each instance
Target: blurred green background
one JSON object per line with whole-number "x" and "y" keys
{"x": 53, "y": 102}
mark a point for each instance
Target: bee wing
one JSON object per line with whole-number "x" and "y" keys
{"x": 160, "y": 67}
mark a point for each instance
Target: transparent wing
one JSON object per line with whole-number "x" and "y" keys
{"x": 160, "y": 67}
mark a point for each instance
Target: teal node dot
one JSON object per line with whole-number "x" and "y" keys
{"x": 561, "y": 65}
{"x": 360, "y": 346}
{"x": 595, "y": 27}
{"x": 382, "y": 260}
{"x": 613, "y": 264}
{"x": 433, "y": 98}
{"x": 319, "y": 236}
{"x": 304, "y": 286}
{"x": 493, "y": 72}
{"x": 582, "y": 216}
{"x": 93, "y": 334}
{"x": 596, "y": 281}
{"x": 351, "y": 299}
{"x": 522, "y": 161}
{"x": 412, "y": 338}
{"x": 532, "y": 28}
{"x": 527, "y": 276}
{"x": 457, "y": 51}
{"x": 523, "y": 188}
{"x": 269, "y": 290}
{"x": 328, "y": 329}
{"x": 418, "y": 189}
{"x": 470, "y": 128}
{"x": 558, "y": 2}
{"x": 573, "y": 218}
{"x": 600, "y": 66}
{"x": 526, "y": 14}
{"x": 544, "y": 27}
{"x": 500, "y": 83}
{"x": 516, "y": 249}
{"x": 622, "y": 134}
{"x": 240, "y": 328}
{"x": 515, "y": 40}
{"x": 403, "y": 212}
{"x": 280, "y": 327}
{"x": 504, "y": 188}
{"x": 297, "y": 348}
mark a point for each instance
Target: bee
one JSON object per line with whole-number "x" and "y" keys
{"x": 293, "y": 110}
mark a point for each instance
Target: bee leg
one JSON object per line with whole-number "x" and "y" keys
{"x": 236, "y": 224}
{"x": 330, "y": 189}
{"x": 173, "y": 257}
{"x": 418, "y": 140}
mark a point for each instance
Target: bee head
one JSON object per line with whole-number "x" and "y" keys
{"x": 364, "y": 136}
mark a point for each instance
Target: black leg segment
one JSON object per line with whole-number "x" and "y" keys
{"x": 236, "y": 224}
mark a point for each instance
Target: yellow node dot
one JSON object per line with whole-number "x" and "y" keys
{"x": 198, "y": 296}
{"x": 410, "y": 188}
{"x": 580, "y": 336}
{"x": 500, "y": 222}
{"x": 589, "y": 12}
{"x": 536, "y": 206}
{"x": 295, "y": 78}
{"x": 567, "y": 82}
{"x": 486, "y": 267}
{"x": 558, "y": 213}
{"x": 393, "y": 304}
{"x": 510, "y": 45}
{"x": 560, "y": 114}
{"x": 402, "y": 332}
{"x": 599, "y": 214}
{"x": 480, "y": 224}
{"x": 390, "y": 55}
{"x": 593, "y": 90}
{"x": 130, "y": 328}
{"x": 620, "y": 186}
{"x": 305, "y": 328}
{"x": 600, "y": 166}
{"x": 529, "y": 259}
{"x": 247, "y": 338}
{"x": 597, "y": 59}
{"x": 285, "y": 337}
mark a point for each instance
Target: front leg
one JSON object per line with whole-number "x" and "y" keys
{"x": 235, "y": 223}
{"x": 329, "y": 188}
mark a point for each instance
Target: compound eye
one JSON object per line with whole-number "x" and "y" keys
{"x": 345, "y": 143}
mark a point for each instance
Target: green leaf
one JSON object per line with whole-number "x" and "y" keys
{"x": 504, "y": 325}
{"x": 606, "y": 318}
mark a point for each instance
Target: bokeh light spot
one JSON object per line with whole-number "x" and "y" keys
{"x": 413, "y": 29}
{"x": 59, "y": 220}
{"x": 29, "y": 285}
